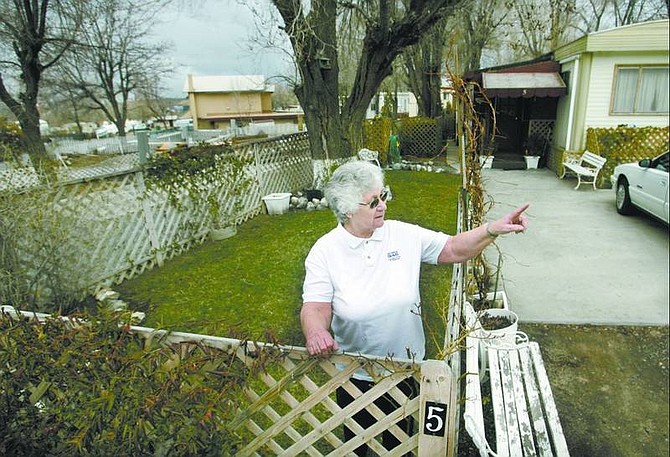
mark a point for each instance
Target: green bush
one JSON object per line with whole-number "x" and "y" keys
{"x": 98, "y": 389}
{"x": 10, "y": 141}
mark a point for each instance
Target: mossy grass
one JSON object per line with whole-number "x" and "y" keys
{"x": 249, "y": 286}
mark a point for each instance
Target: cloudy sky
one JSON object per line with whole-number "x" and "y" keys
{"x": 213, "y": 37}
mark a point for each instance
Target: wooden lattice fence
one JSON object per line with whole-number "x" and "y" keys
{"x": 543, "y": 128}
{"x": 282, "y": 163}
{"x": 625, "y": 144}
{"x": 419, "y": 137}
{"x": 377, "y": 133}
{"x": 71, "y": 239}
{"x": 618, "y": 145}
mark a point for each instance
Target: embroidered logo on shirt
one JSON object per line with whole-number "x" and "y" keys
{"x": 393, "y": 255}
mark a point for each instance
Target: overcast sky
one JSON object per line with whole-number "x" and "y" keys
{"x": 212, "y": 37}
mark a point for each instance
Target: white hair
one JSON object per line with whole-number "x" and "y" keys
{"x": 348, "y": 184}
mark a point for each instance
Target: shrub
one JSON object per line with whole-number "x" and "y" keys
{"x": 100, "y": 389}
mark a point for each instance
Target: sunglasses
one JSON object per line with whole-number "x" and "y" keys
{"x": 375, "y": 201}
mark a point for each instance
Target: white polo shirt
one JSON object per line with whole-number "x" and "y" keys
{"x": 373, "y": 285}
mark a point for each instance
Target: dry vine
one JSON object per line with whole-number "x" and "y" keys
{"x": 473, "y": 141}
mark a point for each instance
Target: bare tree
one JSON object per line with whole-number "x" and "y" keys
{"x": 116, "y": 59}
{"x": 634, "y": 11}
{"x": 60, "y": 104}
{"x": 34, "y": 36}
{"x": 423, "y": 63}
{"x": 334, "y": 128}
{"x": 476, "y": 25}
{"x": 542, "y": 25}
{"x": 151, "y": 103}
{"x": 592, "y": 15}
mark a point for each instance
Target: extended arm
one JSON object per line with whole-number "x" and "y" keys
{"x": 315, "y": 319}
{"x": 468, "y": 244}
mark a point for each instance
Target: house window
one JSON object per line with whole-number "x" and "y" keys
{"x": 642, "y": 90}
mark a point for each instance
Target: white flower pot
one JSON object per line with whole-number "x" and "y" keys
{"x": 221, "y": 233}
{"x": 486, "y": 161}
{"x": 277, "y": 203}
{"x": 502, "y": 336}
{"x": 532, "y": 162}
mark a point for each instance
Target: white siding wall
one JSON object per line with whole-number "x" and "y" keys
{"x": 563, "y": 109}
{"x": 600, "y": 91}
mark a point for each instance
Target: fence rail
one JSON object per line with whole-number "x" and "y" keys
{"x": 128, "y": 143}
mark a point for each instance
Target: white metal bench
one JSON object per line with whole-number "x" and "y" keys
{"x": 524, "y": 413}
{"x": 587, "y": 166}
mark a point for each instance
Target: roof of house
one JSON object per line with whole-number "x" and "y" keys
{"x": 234, "y": 83}
{"x": 641, "y": 37}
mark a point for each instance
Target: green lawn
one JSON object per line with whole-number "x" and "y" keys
{"x": 249, "y": 286}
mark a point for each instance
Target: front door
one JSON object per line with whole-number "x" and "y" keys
{"x": 509, "y": 123}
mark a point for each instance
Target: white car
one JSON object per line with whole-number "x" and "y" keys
{"x": 643, "y": 185}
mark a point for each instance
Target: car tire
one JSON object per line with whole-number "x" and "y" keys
{"x": 623, "y": 204}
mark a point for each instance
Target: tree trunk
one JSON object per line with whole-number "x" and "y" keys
{"x": 27, "y": 114}
{"x": 335, "y": 129}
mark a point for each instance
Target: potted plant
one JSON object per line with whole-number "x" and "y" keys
{"x": 498, "y": 326}
{"x": 484, "y": 291}
{"x": 536, "y": 147}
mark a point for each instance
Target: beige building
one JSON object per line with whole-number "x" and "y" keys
{"x": 224, "y": 102}
{"x": 614, "y": 77}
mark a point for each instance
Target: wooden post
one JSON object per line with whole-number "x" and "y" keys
{"x": 149, "y": 221}
{"x": 435, "y": 408}
{"x": 143, "y": 145}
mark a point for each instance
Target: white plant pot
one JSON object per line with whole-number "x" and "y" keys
{"x": 532, "y": 162}
{"x": 486, "y": 161}
{"x": 277, "y": 203}
{"x": 496, "y": 299}
{"x": 221, "y": 233}
{"x": 503, "y": 337}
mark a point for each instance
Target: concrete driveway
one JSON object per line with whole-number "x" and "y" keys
{"x": 580, "y": 262}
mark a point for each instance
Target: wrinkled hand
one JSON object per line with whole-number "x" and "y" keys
{"x": 515, "y": 221}
{"x": 320, "y": 342}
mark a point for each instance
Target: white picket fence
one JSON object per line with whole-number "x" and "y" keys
{"x": 96, "y": 231}
{"x": 128, "y": 144}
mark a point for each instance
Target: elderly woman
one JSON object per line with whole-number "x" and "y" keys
{"x": 362, "y": 277}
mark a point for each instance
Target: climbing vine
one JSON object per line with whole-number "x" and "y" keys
{"x": 216, "y": 174}
{"x": 476, "y": 203}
